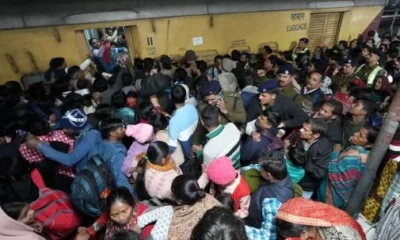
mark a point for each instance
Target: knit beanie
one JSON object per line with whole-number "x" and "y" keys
{"x": 221, "y": 171}
{"x": 227, "y": 65}
{"x": 142, "y": 132}
{"x": 74, "y": 119}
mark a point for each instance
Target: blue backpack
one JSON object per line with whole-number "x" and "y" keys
{"x": 91, "y": 187}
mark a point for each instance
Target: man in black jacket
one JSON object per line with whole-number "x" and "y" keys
{"x": 292, "y": 116}
{"x": 312, "y": 151}
{"x": 331, "y": 112}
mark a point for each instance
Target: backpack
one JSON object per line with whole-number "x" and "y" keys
{"x": 53, "y": 209}
{"x": 91, "y": 187}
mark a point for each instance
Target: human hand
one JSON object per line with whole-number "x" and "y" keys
{"x": 256, "y": 136}
{"x": 221, "y": 106}
{"x": 32, "y": 142}
{"x": 196, "y": 148}
{"x": 281, "y": 125}
{"x": 337, "y": 147}
{"x": 82, "y": 229}
{"x": 82, "y": 236}
{"x": 203, "y": 168}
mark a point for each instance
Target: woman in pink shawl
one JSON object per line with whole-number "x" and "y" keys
{"x": 17, "y": 223}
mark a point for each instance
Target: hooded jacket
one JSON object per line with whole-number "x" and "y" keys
{"x": 11, "y": 229}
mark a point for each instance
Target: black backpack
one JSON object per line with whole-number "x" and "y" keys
{"x": 91, "y": 187}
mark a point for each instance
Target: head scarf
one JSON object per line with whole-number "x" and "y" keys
{"x": 332, "y": 223}
{"x": 385, "y": 85}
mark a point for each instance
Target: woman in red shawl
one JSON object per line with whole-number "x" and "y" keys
{"x": 382, "y": 91}
{"x": 304, "y": 219}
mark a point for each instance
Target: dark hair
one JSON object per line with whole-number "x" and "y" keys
{"x": 219, "y": 223}
{"x": 166, "y": 62}
{"x": 201, "y": 65}
{"x": 118, "y": 99}
{"x": 180, "y": 74}
{"x": 321, "y": 74}
{"x": 148, "y": 64}
{"x": 267, "y": 49}
{"x": 126, "y": 79}
{"x": 218, "y": 57}
{"x": 368, "y": 106}
{"x": 82, "y": 84}
{"x": 13, "y": 168}
{"x": 227, "y": 201}
{"x": 13, "y": 210}
{"x": 318, "y": 125}
{"x": 38, "y": 126}
{"x": 12, "y": 93}
{"x": 91, "y": 41}
{"x": 372, "y": 134}
{"x": 126, "y": 235}
{"x": 235, "y": 55}
{"x": 103, "y": 111}
{"x": 210, "y": 116}
{"x": 288, "y": 229}
{"x": 336, "y": 105}
{"x": 144, "y": 109}
{"x": 72, "y": 101}
{"x": 120, "y": 194}
{"x": 273, "y": 162}
{"x": 100, "y": 84}
{"x": 72, "y": 70}
{"x": 186, "y": 190}
{"x": 155, "y": 153}
{"x": 56, "y": 62}
{"x": 158, "y": 120}
{"x": 109, "y": 125}
{"x": 368, "y": 48}
{"x": 178, "y": 94}
{"x": 138, "y": 63}
{"x": 248, "y": 79}
{"x": 273, "y": 117}
{"x": 37, "y": 91}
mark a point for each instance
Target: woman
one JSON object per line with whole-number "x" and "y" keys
{"x": 177, "y": 222}
{"x": 219, "y": 221}
{"x": 160, "y": 124}
{"x": 17, "y": 222}
{"x": 346, "y": 169}
{"x": 381, "y": 91}
{"x": 306, "y": 219}
{"x": 123, "y": 212}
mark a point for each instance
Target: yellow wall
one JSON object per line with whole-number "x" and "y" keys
{"x": 171, "y": 36}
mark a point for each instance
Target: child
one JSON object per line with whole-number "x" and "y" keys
{"x": 112, "y": 150}
{"x": 222, "y": 173}
{"x": 275, "y": 184}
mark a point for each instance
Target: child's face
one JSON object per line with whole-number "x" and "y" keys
{"x": 119, "y": 133}
{"x": 344, "y": 90}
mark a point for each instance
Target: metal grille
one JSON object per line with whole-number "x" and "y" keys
{"x": 323, "y": 29}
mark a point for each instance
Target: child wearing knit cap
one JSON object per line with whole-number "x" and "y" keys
{"x": 222, "y": 173}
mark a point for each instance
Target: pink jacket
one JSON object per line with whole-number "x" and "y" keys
{"x": 11, "y": 229}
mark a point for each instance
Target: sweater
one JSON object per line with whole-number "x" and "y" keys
{"x": 223, "y": 141}
{"x": 88, "y": 138}
{"x": 240, "y": 193}
{"x": 134, "y": 155}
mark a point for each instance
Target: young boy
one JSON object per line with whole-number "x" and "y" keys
{"x": 275, "y": 184}
{"x": 112, "y": 150}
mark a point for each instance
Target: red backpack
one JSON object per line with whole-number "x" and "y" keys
{"x": 53, "y": 209}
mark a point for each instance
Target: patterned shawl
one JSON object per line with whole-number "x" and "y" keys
{"x": 332, "y": 223}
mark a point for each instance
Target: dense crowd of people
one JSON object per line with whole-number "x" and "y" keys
{"x": 253, "y": 146}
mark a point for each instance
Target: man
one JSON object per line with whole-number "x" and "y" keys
{"x": 368, "y": 72}
{"x": 331, "y": 112}
{"x": 222, "y": 140}
{"x": 74, "y": 123}
{"x": 292, "y": 116}
{"x": 360, "y": 111}
{"x": 190, "y": 61}
{"x": 300, "y": 49}
{"x": 312, "y": 91}
{"x": 275, "y": 184}
{"x": 226, "y": 78}
{"x": 104, "y": 53}
{"x": 346, "y": 76}
{"x": 183, "y": 122}
{"x": 263, "y": 138}
{"x": 285, "y": 78}
{"x": 230, "y": 107}
{"x": 312, "y": 152}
